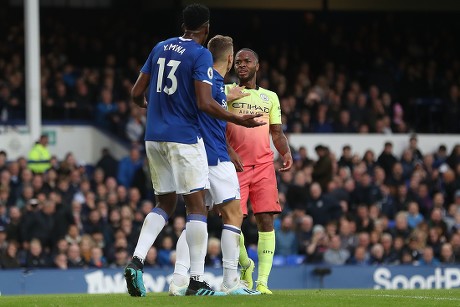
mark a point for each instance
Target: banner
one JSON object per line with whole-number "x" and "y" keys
{"x": 49, "y": 281}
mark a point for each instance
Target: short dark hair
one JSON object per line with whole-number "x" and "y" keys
{"x": 195, "y": 15}
{"x": 219, "y": 45}
{"x": 250, "y": 50}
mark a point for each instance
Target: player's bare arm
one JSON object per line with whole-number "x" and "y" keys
{"x": 208, "y": 105}
{"x": 235, "y": 158}
{"x": 139, "y": 88}
{"x": 282, "y": 146}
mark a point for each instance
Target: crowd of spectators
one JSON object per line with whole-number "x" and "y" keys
{"x": 333, "y": 73}
{"x": 347, "y": 209}
{"x": 344, "y": 73}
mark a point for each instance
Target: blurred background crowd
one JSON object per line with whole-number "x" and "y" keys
{"x": 334, "y": 73}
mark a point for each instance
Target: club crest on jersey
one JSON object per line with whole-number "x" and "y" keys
{"x": 264, "y": 97}
{"x": 210, "y": 73}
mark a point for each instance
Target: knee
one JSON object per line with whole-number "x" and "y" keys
{"x": 264, "y": 222}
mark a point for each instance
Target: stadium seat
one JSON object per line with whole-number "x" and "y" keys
{"x": 295, "y": 259}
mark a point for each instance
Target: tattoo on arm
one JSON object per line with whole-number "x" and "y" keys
{"x": 279, "y": 139}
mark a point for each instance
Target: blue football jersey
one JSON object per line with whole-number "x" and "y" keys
{"x": 172, "y": 110}
{"x": 213, "y": 129}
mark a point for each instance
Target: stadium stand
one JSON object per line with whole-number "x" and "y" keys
{"x": 342, "y": 72}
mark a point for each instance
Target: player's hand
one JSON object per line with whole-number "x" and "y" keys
{"x": 235, "y": 93}
{"x": 145, "y": 104}
{"x": 287, "y": 162}
{"x": 236, "y": 160}
{"x": 249, "y": 121}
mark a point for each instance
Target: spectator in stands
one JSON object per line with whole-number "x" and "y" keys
{"x": 135, "y": 126}
{"x": 344, "y": 124}
{"x": 119, "y": 119}
{"x": 36, "y": 257}
{"x": 414, "y": 217}
{"x": 406, "y": 258}
{"x": 386, "y": 160}
{"x": 437, "y": 222}
{"x": 108, "y": 164}
{"x": 39, "y": 156}
{"x": 335, "y": 254}
{"x": 363, "y": 221}
{"x": 104, "y": 108}
{"x": 455, "y": 242}
{"x": 359, "y": 257}
{"x": 322, "y": 170}
{"x": 447, "y": 254}
{"x": 347, "y": 233}
{"x": 439, "y": 157}
{"x": 128, "y": 167}
{"x": 286, "y": 239}
{"x": 297, "y": 192}
{"x": 164, "y": 253}
{"x": 454, "y": 158}
{"x": 151, "y": 258}
{"x": 74, "y": 258}
{"x": 121, "y": 258}
{"x": 435, "y": 240}
{"x": 428, "y": 258}
{"x": 424, "y": 199}
{"x": 213, "y": 257}
{"x": 366, "y": 191}
{"x": 97, "y": 258}
{"x": 346, "y": 159}
{"x": 377, "y": 255}
{"x": 318, "y": 245}
{"x": 322, "y": 208}
{"x": 9, "y": 256}
{"x": 304, "y": 233}
{"x": 390, "y": 256}
{"x": 60, "y": 262}
{"x": 401, "y": 228}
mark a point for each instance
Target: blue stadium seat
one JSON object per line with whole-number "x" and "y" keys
{"x": 279, "y": 260}
{"x": 295, "y": 259}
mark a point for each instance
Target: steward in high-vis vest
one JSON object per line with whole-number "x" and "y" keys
{"x": 39, "y": 156}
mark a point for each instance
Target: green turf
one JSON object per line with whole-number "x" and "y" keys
{"x": 392, "y": 298}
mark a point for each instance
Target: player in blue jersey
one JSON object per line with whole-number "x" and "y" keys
{"x": 179, "y": 75}
{"x": 224, "y": 191}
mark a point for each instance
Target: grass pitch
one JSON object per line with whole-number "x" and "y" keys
{"x": 334, "y": 298}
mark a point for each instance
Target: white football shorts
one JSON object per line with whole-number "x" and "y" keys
{"x": 224, "y": 184}
{"x": 176, "y": 167}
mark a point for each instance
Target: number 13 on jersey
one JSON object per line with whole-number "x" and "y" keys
{"x": 171, "y": 76}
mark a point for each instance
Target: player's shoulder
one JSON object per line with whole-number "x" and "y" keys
{"x": 166, "y": 41}
{"x": 266, "y": 95}
{"x": 269, "y": 93}
{"x": 230, "y": 85}
{"x": 217, "y": 76}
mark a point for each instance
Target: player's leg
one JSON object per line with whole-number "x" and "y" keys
{"x": 265, "y": 250}
{"x": 163, "y": 183}
{"x": 190, "y": 169}
{"x": 225, "y": 193}
{"x": 265, "y": 203}
{"x": 246, "y": 263}
{"x": 180, "y": 279}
